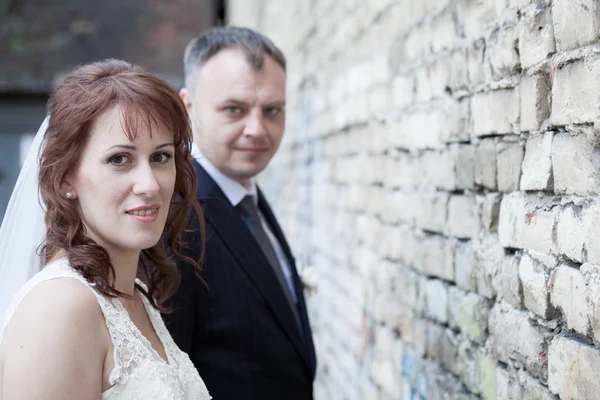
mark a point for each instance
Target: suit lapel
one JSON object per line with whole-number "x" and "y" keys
{"x": 278, "y": 232}
{"x": 227, "y": 223}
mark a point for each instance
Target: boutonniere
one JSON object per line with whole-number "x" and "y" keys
{"x": 309, "y": 279}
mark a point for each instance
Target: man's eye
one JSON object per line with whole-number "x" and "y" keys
{"x": 272, "y": 111}
{"x": 233, "y": 110}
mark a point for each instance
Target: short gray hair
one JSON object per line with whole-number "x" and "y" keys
{"x": 254, "y": 45}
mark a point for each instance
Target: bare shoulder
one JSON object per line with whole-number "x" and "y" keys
{"x": 56, "y": 333}
{"x": 60, "y": 303}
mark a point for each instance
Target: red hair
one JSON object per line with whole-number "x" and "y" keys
{"x": 86, "y": 93}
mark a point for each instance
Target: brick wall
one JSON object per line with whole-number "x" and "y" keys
{"x": 440, "y": 172}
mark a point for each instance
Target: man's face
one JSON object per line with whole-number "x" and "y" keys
{"x": 237, "y": 113}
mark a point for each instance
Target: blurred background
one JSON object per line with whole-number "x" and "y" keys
{"x": 41, "y": 40}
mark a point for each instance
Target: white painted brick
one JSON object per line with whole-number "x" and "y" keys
{"x": 534, "y": 102}
{"x": 507, "y": 386}
{"x": 431, "y": 214}
{"x": 478, "y": 17}
{"x": 591, "y": 275}
{"x": 576, "y": 165}
{"x": 463, "y": 217}
{"x": 456, "y": 116}
{"x": 435, "y": 299}
{"x": 572, "y": 369}
{"x": 462, "y": 159}
{"x": 468, "y": 312}
{"x": 440, "y": 177}
{"x": 527, "y": 222}
{"x": 437, "y": 258}
{"x": 506, "y": 282}
{"x": 465, "y": 263}
{"x": 586, "y": 30}
{"x": 489, "y": 206}
{"x": 526, "y": 348}
{"x": 496, "y": 112}
{"x": 591, "y": 219}
{"x": 568, "y": 294}
{"x": 533, "y": 389}
{"x": 574, "y": 92}
{"x": 537, "y": 164}
{"x": 571, "y": 233}
{"x": 479, "y": 70}
{"x": 428, "y": 127}
{"x": 489, "y": 255}
{"x": 504, "y": 58}
{"x": 536, "y": 39}
{"x": 403, "y": 90}
{"x": 486, "y": 164}
{"x": 459, "y": 72}
{"x": 535, "y": 282}
{"x": 509, "y": 158}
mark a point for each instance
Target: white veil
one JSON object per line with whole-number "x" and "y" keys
{"x": 23, "y": 229}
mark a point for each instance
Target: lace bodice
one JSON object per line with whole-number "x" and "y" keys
{"x": 138, "y": 372}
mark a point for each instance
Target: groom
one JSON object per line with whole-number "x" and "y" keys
{"x": 246, "y": 328}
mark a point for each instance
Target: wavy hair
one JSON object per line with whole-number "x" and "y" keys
{"x": 143, "y": 98}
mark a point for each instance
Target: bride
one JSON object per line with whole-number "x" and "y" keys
{"x": 116, "y": 183}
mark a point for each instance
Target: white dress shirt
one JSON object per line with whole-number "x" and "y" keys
{"x": 235, "y": 193}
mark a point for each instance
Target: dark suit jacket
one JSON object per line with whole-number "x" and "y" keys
{"x": 239, "y": 329}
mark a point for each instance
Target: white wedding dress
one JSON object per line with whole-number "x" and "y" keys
{"x": 138, "y": 372}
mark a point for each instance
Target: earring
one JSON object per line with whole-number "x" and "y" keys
{"x": 69, "y": 195}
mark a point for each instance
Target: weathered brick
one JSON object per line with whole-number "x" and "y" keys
{"x": 591, "y": 275}
{"x": 496, "y": 112}
{"x": 402, "y": 90}
{"x": 536, "y": 39}
{"x": 578, "y": 174}
{"x": 456, "y": 117}
{"x": 568, "y": 294}
{"x": 572, "y": 369}
{"x": 509, "y": 159}
{"x": 525, "y": 349}
{"x": 486, "y": 165}
{"x": 507, "y": 385}
{"x": 478, "y": 17}
{"x": 507, "y": 283}
{"x": 437, "y": 258}
{"x": 574, "y": 92}
{"x": 571, "y": 232}
{"x": 435, "y": 299}
{"x": 537, "y": 163}
{"x": 469, "y": 313}
{"x": 478, "y": 69}
{"x": 527, "y": 222}
{"x": 535, "y": 108}
{"x": 431, "y": 212}
{"x": 536, "y": 289}
{"x": 463, "y": 217}
{"x": 489, "y": 255}
{"x": 465, "y": 264}
{"x": 489, "y": 206}
{"x": 504, "y": 58}
{"x": 587, "y": 29}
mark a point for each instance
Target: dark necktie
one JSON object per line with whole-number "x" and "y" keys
{"x": 249, "y": 213}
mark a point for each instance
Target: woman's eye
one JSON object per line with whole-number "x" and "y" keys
{"x": 161, "y": 158}
{"x": 119, "y": 159}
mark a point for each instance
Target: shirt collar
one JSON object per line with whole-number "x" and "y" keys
{"x": 233, "y": 190}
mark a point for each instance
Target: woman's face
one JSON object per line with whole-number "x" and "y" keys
{"x": 123, "y": 188}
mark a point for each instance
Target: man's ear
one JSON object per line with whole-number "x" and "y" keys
{"x": 186, "y": 96}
